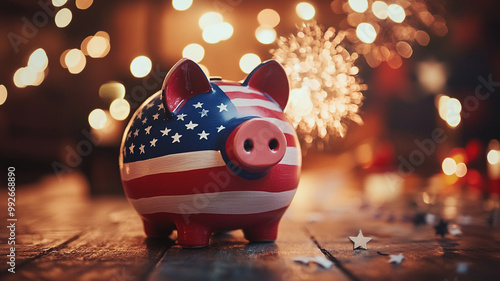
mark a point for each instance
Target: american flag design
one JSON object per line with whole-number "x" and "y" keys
{"x": 174, "y": 168}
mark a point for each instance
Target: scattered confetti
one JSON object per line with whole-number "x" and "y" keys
{"x": 360, "y": 241}
{"x": 455, "y": 230}
{"x": 321, "y": 260}
{"x": 397, "y": 259}
{"x": 441, "y": 228}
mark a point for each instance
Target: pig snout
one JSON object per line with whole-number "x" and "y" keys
{"x": 256, "y": 145}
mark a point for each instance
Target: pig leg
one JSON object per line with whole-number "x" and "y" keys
{"x": 193, "y": 235}
{"x": 262, "y": 232}
{"x": 153, "y": 230}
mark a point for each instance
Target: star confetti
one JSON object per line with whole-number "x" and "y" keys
{"x": 455, "y": 230}
{"x": 441, "y": 228}
{"x": 321, "y": 260}
{"x": 360, "y": 241}
{"x": 397, "y": 259}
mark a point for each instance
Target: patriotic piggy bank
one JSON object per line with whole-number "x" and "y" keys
{"x": 203, "y": 156}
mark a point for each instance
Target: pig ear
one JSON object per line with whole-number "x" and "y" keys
{"x": 183, "y": 81}
{"x": 270, "y": 78}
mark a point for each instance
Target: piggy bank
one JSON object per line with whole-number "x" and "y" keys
{"x": 208, "y": 155}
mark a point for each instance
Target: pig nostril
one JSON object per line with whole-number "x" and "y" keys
{"x": 273, "y": 144}
{"x": 248, "y": 145}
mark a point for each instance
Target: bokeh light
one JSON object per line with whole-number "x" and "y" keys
{"x": 17, "y": 78}
{"x": 268, "y": 17}
{"x": 3, "y": 94}
{"x": 119, "y": 109}
{"x": 305, "y": 11}
{"x": 38, "y": 60}
{"x": 214, "y": 28}
{"x": 359, "y": 6}
{"x": 59, "y": 3}
{"x": 248, "y": 62}
{"x": 112, "y": 90}
{"x": 83, "y": 4}
{"x": 366, "y": 32}
{"x": 449, "y": 166}
{"x": 98, "y": 47}
{"x": 63, "y": 17}
{"x": 396, "y": 13}
{"x": 461, "y": 170}
{"x": 209, "y": 18}
{"x": 97, "y": 118}
{"x": 140, "y": 66}
{"x": 396, "y": 24}
{"x": 265, "y": 35}
{"x": 194, "y": 51}
{"x": 493, "y": 157}
{"x": 379, "y": 9}
{"x": 75, "y": 61}
{"x": 182, "y": 5}
{"x": 432, "y": 76}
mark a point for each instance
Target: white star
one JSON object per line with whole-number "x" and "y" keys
{"x": 220, "y": 128}
{"x": 139, "y": 116}
{"x": 136, "y": 133}
{"x": 148, "y": 129}
{"x": 191, "y": 125}
{"x": 149, "y": 105}
{"x": 455, "y": 230}
{"x": 360, "y": 241}
{"x": 124, "y": 151}
{"x": 222, "y": 107}
{"x": 145, "y": 120}
{"x": 203, "y": 135}
{"x": 165, "y": 132}
{"x": 129, "y": 134}
{"x": 141, "y": 148}
{"x": 176, "y": 138}
{"x": 160, "y": 106}
{"x": 155, "y": 117}
{"x": 153, "y": 142}
{"x": 181, "y": 116}
{"x": 131, "y": 148}
{"x": 396, "y": 258}
{"x": 204, "y": 112}
{"x": 198, "y": 105}
{"x": 321, "y": 260}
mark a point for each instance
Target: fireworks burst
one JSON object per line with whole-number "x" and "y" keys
{"x": 325, "y": 91}
{"x": 386, "y": 30}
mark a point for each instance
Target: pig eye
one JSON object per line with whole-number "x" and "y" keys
{"x": 248, "y": 145}
{"x": 273, "y": 144}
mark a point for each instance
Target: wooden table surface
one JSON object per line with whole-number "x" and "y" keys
{"x": 64, "y": 234}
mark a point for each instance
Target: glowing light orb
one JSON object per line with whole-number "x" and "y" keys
{"x": 249, "y": 61}
{"x": 268, "y": 17}
{"x": 366, "y": 32}
{"x": 265, "y": 35}
{"x": 396, "y": 13}
{"x": 182, "y": 5}
{"x": 119, "y": 109}
{"x": 449, "y": 166}
{"x": 359, "y": 6}
{"x": 195, "y": 52}
{"x": 305, "y": 11}
{"x": 63, "y": 17}
{"x": 97, "y": 119}
{"x": 3, "y": 94}
{"x": 140, "y": 66}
